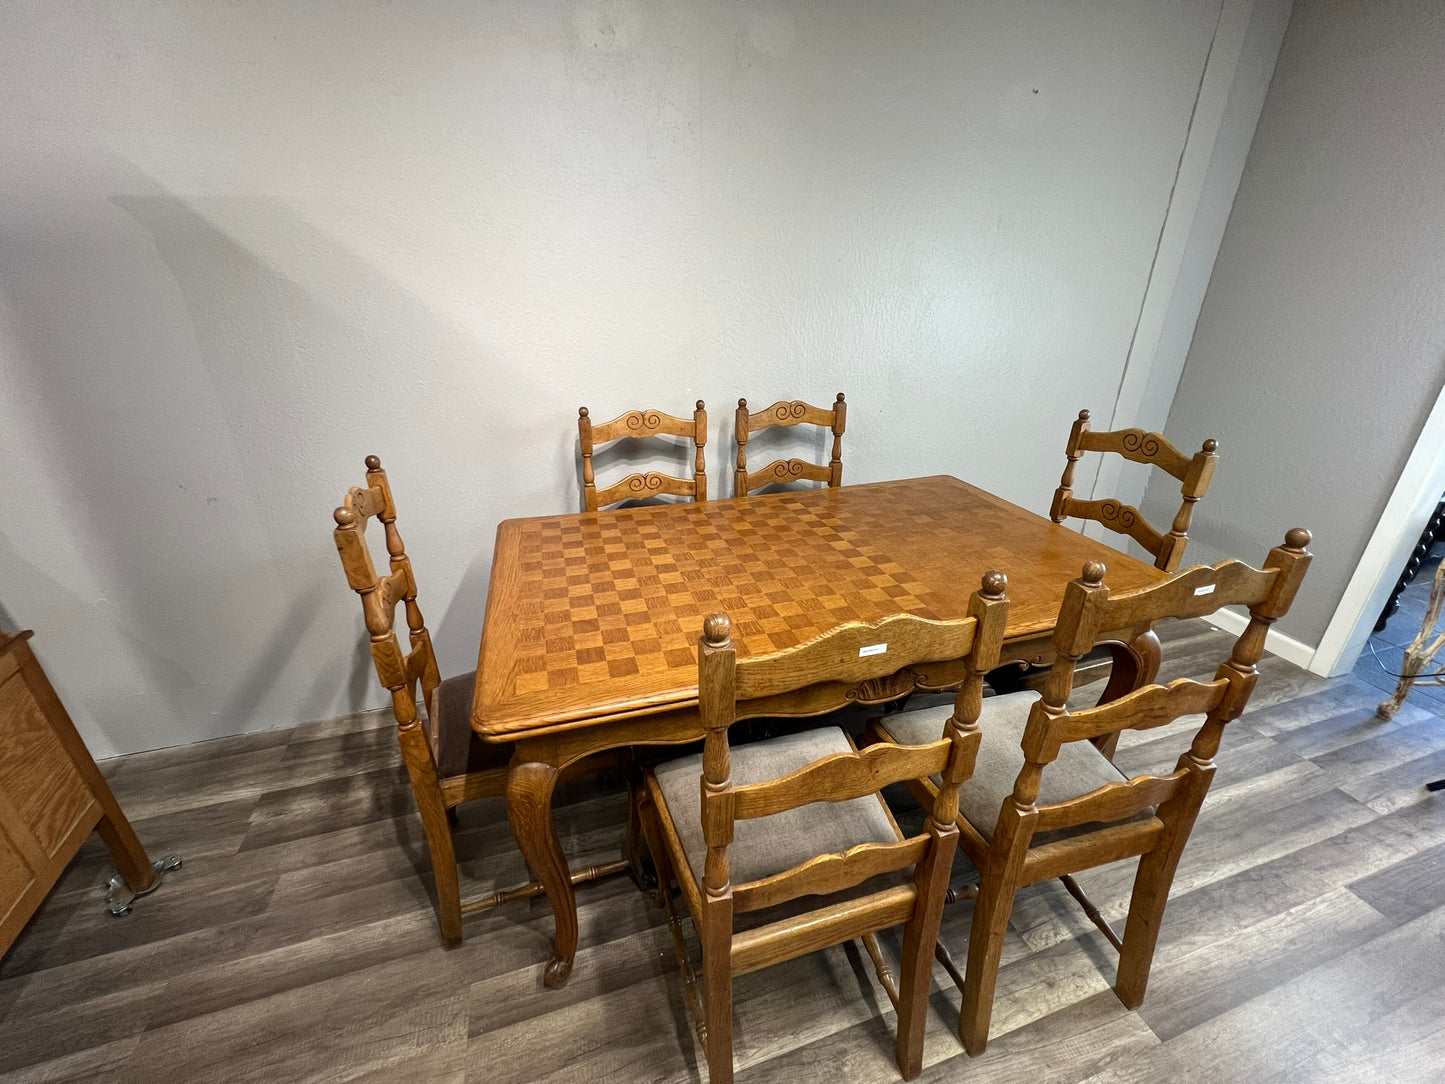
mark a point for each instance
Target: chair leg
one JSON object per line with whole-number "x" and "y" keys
{"x": 652, "y": 836}
{"x": 1141, "y": 929}
{"x": 920, "y": 935}
{"x": 427, "y": 788}
{"x": 717, "y": 980}
{"x": 991, "y": 912}
{"x": 634, "y": 833}
{"x": 1152, "y": 881}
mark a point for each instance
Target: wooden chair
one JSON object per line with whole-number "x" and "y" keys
{"x": 789, "y": 470}
{"x": 642, "y": 423}
{"x": 1139, "y": 447}
{"x": 1046, "y": 803}
{"x": 447, "y": 763}
{"x": 800, "y": 816}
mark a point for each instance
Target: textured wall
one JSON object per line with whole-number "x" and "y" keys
{"x": 242, "y": 245}
{"x": 1320, "y": 348}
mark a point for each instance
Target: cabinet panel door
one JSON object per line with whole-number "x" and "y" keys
{"x": 37, "y": 777}
{"x": 17, "y": 880}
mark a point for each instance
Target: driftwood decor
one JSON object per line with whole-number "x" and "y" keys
{"x": 1422, "y": 652}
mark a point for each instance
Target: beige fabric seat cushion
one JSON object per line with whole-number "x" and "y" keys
{"x": 458, "y": 749}
{"x": 764, "y": 846}
{"x": 1080, "y": 767}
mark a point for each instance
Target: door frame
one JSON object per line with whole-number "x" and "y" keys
{"x": 1411, "y": 504}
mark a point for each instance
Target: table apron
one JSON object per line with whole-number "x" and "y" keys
{"x": 567, "y": 744}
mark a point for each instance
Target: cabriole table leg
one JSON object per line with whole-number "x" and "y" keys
{"x": 530, "y": 785}
{"x": 1136, "y": 663}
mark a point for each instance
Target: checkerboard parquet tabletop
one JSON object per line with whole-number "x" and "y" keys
{"x": 595, "y": 615}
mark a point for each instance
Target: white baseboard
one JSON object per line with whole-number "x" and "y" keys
{"x": 1286, "y": 647}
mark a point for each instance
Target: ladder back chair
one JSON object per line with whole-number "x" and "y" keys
{"x": 801, "y": 816}
{"x": 1153, "y": 449}
{"x": 445, "y": 760}
{"x": 789, "y": 470}
{"x": 642, "y": 424}
{"x": 1045, "y": 803}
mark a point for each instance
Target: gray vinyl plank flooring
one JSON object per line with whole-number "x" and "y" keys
{"x": 1304, "y": 940}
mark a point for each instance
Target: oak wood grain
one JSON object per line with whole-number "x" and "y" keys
{"x": 641, "y": 424}
{"x": 1154, "y": 449}
{"x": 1266, "y": 968}
{"x": 593, "y": 616}
{"x": 788, "y": 414}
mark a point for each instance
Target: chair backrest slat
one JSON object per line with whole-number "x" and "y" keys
{"x": 1153, "y": 449}
{"x": 1120, "y": 518}
{"x": 1113, "y": 802}
{"x": 829, "y": 873}
{"x": 841, "y": 777}
{"x": 855, "y": 653}
{"x": 1139, "y": 446}
{"x": 642, "y": 424}
{"x": 1144, "y": 709}
{"x": 1196, "y": 592}
{"x": 786, "y": 413}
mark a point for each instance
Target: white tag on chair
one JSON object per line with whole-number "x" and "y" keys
{"x": 872, "y": 649}
{"x": 1206, "y": 590}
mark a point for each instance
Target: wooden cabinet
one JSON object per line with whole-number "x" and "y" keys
{"x": 52, "y": 796}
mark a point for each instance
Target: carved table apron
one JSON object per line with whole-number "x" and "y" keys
{"x": 590, "y": 639}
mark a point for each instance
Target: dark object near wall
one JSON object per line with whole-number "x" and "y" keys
{"x": 1434, "y": 530}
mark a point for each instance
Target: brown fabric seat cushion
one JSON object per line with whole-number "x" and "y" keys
{"x": 1080, "y": 767}
{"x": 764, "y": 846}
{"x": 458, "y": 749}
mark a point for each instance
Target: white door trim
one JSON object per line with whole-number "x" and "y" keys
{"x": 1415, "y": 497}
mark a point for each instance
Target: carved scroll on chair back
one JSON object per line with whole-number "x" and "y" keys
{"x": 445, "y": 761}
{"x": 789, "y": 470}
{"x": 642, "y": 423}
{"x": 1193, "y": 472}
{"x": 1068, "y": 808}
{"x": 828, "y": 831}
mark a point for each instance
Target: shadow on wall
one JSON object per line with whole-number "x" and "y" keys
{"x": 211, "y": 374}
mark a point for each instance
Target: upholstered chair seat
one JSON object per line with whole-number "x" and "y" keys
{"x": 1080, "y": 768}
{"x": 765, "y": 846}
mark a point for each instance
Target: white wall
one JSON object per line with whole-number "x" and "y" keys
{"x": 243, "y": 245}
{"x": 1320, "y": 349}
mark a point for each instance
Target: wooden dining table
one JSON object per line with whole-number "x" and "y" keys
{"x": 592, "y": 620}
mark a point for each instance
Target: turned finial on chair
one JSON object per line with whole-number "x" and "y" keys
{"x": 344, "y": 517}
{"x": 1083, "y": 415}
{"x": 1297, "y": 538}
{"x": 1094, "y": 573}
{"x": 1211, "y": 446}
{"x": 742, "y": 404}
{"x": 700, "y": 405}
{"x": 716, "y": 629}
{"x": 373, "y": 462}
{"x": 582, "y": 412}
{"x": 994, "y": 583}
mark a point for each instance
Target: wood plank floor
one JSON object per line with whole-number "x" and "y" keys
{"x": 1305, "y": 938}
